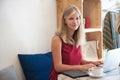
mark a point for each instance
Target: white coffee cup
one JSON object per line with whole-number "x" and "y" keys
{"x": 95, "y": 71}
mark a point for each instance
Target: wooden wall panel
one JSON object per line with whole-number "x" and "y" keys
{"x": 62, "y": 4}
{"x": 92, "y": 10}
{"x": 98, "y": 37}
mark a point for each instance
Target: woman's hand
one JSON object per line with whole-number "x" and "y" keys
{"x": 97, "y": 62}
{"x": 93, "y": 62}
{"x": 88, "y": 64}
{"x": 85, "y": 67}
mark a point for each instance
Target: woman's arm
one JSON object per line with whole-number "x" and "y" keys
{"x": 56, "y": 47}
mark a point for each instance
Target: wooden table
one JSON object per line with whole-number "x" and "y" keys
{"x": 114, "y": 77}
{"x": 108, "y": 77}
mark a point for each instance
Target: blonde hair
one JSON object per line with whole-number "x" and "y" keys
{"x": 62, "y": 29}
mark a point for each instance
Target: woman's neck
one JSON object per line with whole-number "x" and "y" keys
{"x": 70, "y": 33}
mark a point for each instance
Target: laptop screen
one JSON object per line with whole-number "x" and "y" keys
{"x": 112, "y": 60}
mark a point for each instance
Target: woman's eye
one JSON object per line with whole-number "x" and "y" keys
{"x": 70, "y": 18}
{"x": 77, "y": 18}
{"x": 74, "y": 18}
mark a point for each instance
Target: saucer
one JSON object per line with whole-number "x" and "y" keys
{"x": 97, "y": 76}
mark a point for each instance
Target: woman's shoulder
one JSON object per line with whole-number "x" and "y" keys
{"x": 56, "y": 38}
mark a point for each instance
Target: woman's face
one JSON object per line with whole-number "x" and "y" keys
{"x": 73, "y": 21}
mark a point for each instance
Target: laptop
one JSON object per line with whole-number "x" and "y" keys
{"x": 112, "y": 60}
{"x": 110, "y": 66}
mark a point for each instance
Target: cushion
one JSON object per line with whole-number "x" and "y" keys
{"x": 36, "y": 66}
{"x": 8, "y": 73}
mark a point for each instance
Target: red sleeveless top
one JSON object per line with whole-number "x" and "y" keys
{"x": 71, "y": 55}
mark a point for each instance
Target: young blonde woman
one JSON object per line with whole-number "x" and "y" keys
{"x": 66, "y": 51}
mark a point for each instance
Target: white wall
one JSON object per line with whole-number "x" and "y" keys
{"x": 26, "y": 26}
